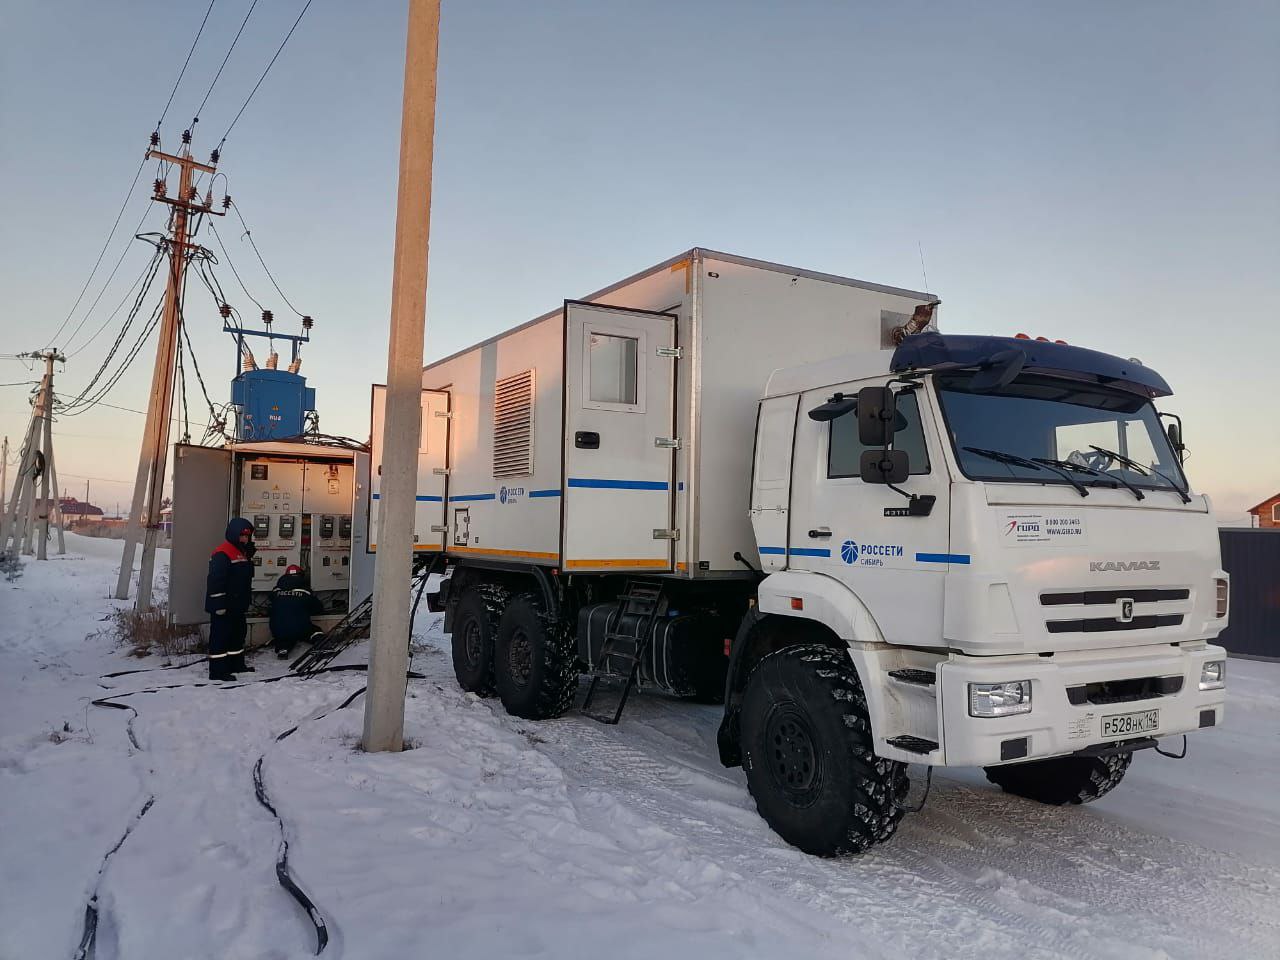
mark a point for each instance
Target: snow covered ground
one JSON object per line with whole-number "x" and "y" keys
{"x": 496, "y": 837}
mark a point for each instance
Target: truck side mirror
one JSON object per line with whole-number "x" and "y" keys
{"x": 1175, "y": 440}
{"x": 877, "y": 416}
{"x": 885, "y": 466}
{"x": 834, "y": 408}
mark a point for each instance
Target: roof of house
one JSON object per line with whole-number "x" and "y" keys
{"x": 82, "y": 507}
{"x": 1273, "y": 497}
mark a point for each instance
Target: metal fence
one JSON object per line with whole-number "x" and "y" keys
{"x": 1252, "y": 557}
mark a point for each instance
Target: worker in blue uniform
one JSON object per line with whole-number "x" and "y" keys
{"x": 228, "y": 593}
{"x": 292, "y": 607}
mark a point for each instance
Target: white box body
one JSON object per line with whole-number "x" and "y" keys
{"x": 733, "y": 321}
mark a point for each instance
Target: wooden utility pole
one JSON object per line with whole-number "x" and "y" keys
{"x": 148, "y": 488}
{"x": 389, "y": 644}
{"x": 26, "y": 519}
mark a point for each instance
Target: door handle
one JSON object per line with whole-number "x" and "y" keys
{"x": 586, "y": 440}
{"x": 820, "y": 533}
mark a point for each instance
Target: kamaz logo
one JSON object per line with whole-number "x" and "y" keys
{"x": 1122, "y": 566}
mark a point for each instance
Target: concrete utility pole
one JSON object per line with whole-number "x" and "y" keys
{"x": 148, "y": 488}
{"x": 4, "y": 474}
{"x": 389, "y": 647}
{"x": 26, "y": 519}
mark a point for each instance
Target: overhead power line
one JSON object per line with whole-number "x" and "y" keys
{"x": 214, "y": 82}
{"x": 249, "y": 233}
{"x": 101, "y": 253}
{"x": 181, "y": 73}
{"x": 236, "y": 119}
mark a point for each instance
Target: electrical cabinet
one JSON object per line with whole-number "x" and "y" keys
{"x": 271, "y": 496}
{"x": 330, "y": 551}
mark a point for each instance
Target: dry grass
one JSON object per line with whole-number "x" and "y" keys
{"x": 149, "y": 633}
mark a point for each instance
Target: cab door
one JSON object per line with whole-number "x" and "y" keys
{"x": 619, "y": 440}
{"x": 860, "y": 533}
{"x": 433, "y": 470}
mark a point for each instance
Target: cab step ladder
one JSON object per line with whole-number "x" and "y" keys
{"x": 640, "y": 599}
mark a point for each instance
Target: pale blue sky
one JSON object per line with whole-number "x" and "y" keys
{"x": 1102, "y": 172}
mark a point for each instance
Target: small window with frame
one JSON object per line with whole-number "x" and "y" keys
{"x": 844, "y": 449}
{"x": 611, "y": 369}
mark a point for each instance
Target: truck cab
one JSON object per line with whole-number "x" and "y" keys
{"x": 1001, "y": 533}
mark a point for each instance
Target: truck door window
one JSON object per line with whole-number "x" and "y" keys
{"x": 614, "y": 365}
{"x": 844, "y": 451}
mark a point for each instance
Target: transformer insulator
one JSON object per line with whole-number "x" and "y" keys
{"x": 208, "y": 199}
{"x": 159, "y": 188}
{"x": 155, "y": 138}
{"x": 307, "y": 323}
{"x": 186, "y": 136}
{"x": 225, "y": 310}
{"x": 267, "y": 317}
{"x": 213, "y": 157}
{"x": 226, "y": 201}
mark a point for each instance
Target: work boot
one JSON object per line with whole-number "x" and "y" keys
{"x": 219, "y": 669}
{"x": 236, "y": 663}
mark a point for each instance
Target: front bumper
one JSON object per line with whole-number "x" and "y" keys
{"x": 1056, "y": 726}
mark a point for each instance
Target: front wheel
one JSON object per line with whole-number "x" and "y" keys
{"x": 807, "y": 752}
{"x": 475, "y": 624}
{"x": 1061, "y": 780}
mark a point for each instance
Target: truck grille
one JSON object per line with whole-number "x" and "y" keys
{"x": 1124, "y": 691}
{"x": 1111, "y": 598}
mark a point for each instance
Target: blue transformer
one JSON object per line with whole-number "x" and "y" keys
{"x": 272, "y": 404}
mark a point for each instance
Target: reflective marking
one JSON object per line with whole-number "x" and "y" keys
{"x": 942, "y": 558}
{"x": 619, "y": 484}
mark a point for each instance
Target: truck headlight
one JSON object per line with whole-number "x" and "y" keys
{"x": 1224, "y": 592}
{"x": 999, "y": 699}
{"x": 1213, "y": 675}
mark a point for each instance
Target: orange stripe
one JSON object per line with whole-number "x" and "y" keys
{"x": 682, "y": 566}
{"x": 525, "y": 554}
{"x": 612, "y": 564}
{"x": 373, "y": 547}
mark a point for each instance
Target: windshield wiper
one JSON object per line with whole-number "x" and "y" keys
{"x": 1012, "y": 458}
{"x": 1138, "y": 468}
{"x": 1094, "y": 472}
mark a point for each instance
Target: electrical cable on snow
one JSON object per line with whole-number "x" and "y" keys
{"x": 88, "y": 937}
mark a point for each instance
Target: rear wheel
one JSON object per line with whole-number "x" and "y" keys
{"x": 475, "y": 626}
{"x": 535, "y": 663}
{"x": 1062, "y": 780}
{"x": 807, "y": 752}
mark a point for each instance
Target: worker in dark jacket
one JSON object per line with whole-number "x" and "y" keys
{"x": 292, "y": 607}
{"x": 228, "y": 593}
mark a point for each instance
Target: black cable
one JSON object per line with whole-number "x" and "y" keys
{"x": 282, "y": 864}
{"x": 234, "y": 41}
{"x": 183, "y": 71}
{"x": 248, "y": 233}
{"x": 223, "y": 247}
{"x": 150, "y": 266}
{"x": 101, "y": 253}
{"x": 107, "y": 283}
{"x": 236, "y": 119}
{"x": 89, "y": 936}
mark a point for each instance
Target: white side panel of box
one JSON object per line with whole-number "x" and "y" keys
{"x": 514, "y": 517}
{"x": 362, "y": 559}
{"x": 271, "y": 498}
{"x": 432, "y": 462}
{"x": 751, "y": 322}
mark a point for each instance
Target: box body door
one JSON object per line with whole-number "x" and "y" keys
{"x": 433, "y": 469}
{"x": 619, "y": 442}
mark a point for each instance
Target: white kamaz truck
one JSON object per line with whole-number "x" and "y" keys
{"x": 877, "y": 544}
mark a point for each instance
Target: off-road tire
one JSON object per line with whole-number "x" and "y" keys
{"x": 807, "y": 752}
{"x": 535, "y": 663}
{"x": 475, "y": 626}
{"x": 1061, "y": 780}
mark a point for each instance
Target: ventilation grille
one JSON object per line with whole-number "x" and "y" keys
{"x": 513, "y": 426}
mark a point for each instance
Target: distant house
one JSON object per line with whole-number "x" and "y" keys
{"x": 1268, "y": 512}
{"x": 78, "y": 511}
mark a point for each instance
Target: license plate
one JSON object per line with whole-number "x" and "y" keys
{"x": 1127, "y": 724}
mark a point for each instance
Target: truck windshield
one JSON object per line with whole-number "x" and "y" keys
{"x": 1038, "y": 418}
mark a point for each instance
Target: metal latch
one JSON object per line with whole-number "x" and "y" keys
{"x": 441, "y": 471}
{"x": 666, "y": 534}
{"x": 439, "y": 528}
{"x": 667, "y": 443}
{"x": 677, "y": 352}
{"x": 443, "y": 413}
